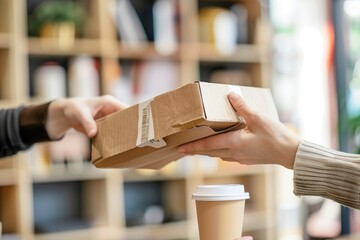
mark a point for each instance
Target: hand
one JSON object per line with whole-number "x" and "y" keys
{"x": 263, "y": 141}
{"x": 79, "y": 113}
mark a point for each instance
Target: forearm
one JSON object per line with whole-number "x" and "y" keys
{"x": 10, "y": 138}
{"x": 319, "y": 171}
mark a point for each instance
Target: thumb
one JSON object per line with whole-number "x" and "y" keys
{"x": 240, "y": 106}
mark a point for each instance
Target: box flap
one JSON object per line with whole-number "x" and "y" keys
{"x": 218, "y": 108}
{"x": 261, "y": 100}
{"x": 216, "y": 104}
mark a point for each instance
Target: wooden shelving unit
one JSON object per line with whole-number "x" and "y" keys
{"x": 103, "y": 195}
{"x": 48, "y": 47}
{"x": 4, "y": 41}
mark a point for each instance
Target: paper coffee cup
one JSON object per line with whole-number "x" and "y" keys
{"x": 220, "y": 211}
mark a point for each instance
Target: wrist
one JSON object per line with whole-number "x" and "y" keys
{"x": 55, "y": 125}
{"x": 32, "y": 123}
{"x": 291, "y": 151}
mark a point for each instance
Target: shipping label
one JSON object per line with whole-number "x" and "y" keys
{"x": 146, "y": 133}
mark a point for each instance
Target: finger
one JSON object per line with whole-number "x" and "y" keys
{"x": 219, "y": 153}
{"x": 108, "y": 104}
{"x": 86, "y": 121}
{"x": 220, "y": 141}
{"x": 240, "y": 106}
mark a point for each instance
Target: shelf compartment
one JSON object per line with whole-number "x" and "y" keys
{"x": 48, "y": 47}
{"x": 156, "y": 202}
{"x": 68, "y": 206}
{"x": 252, "y": 10}
{"x": 234, "y": 73}
{"x": 89, "y": 28}
{"x": 61, "y": 173}
{"x": 57, "y": 70}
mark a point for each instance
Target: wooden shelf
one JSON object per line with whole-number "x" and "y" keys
{"x": 350, "y": 237}
{"x": 48, "y": 47}
{"x": 245, "y": 53}
{"x": 84, "y": 234}
{"x": 145, "y": 51}
{"x": 149, "y": 175}
{"x": 154, "y": 175}
{"x": 8, "y": 177}
{"x": 5, "y": 103}
{"x": 10, "y": 237}
{"x": 167, "y": 231}
{"x": 4, "y": 40}
{"x": 58, "y": 173}
{"x": 244, "y": 170}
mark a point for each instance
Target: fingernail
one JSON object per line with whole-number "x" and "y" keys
{"x": 91, "y": 132}
{"x": 233, "y": 96}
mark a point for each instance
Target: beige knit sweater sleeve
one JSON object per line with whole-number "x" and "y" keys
{"x": 319, "y": 171}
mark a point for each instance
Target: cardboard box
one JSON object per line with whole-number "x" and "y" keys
{"x": 147, "y": 135}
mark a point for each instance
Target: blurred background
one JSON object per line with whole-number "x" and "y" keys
{"x": 305, "y": 51}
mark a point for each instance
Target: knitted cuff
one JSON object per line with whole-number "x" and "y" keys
{"x": 319, "y": 171}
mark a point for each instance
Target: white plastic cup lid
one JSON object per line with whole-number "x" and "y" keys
{"x": 225, "y": 192}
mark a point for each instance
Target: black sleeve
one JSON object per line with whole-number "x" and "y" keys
{"x": 10, "y": 138}
{"x": 21, "y": 127}
{"x": 32, "y": 121}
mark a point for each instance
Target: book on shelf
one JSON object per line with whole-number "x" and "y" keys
{"x": 218, "y": 26}
{"x": 127, "y": 21}
{"x": 164, "y": 12}
{"x": 83, "y": 77}
{"x": 137, "y": 80}
{"x": 50, "y": 81}
{"x": 162, "y": 74}
{"x": 241, "y": 14}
